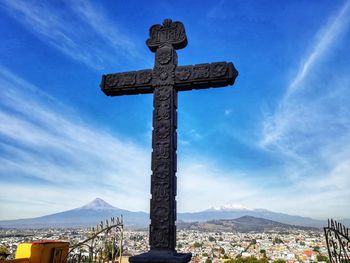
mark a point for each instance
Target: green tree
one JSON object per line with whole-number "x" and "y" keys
{"x": 4, "y": 252}
{"x": 316, "y": 249}
{"x": 212, "y": 239}
{"x": 197, "y": 244}
{"x": 208, "y": 260}
{"x": 278, "y": 241}
{"x": 322, "y": 258}
{"x": 247, "y": 260}
{"x": 279, "y": 261}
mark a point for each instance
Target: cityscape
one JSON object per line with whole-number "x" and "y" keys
{"x": 289, "y": 246}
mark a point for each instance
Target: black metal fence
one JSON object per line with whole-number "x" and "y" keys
{"x": 104, "y": 244}
{"x": 338, "y": 242}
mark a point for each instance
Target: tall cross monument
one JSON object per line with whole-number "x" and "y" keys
{"x": 165, "y": 80}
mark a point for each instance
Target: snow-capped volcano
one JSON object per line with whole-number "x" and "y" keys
{"x": 230, "y": 207}
{"x": 85, "y": 216}
{"x": 98, "y": 204}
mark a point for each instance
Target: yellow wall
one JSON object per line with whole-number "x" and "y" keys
{"x": 43, "y": 251}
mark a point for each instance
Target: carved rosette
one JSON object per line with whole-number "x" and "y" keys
{"x": 218, "y": 69}
{"x": 201, "y": 71}
{"x": 144, "y": 77}
{"x": 164, "y": 56}
{"x": 164, "y": 76}
{"x": 183, "y": 73}
{"x": 112, "y": 80}
{"x": 127, "y": 79}
{"x": 160, "y": 237}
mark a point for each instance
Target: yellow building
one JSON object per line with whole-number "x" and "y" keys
{"x": 41, "y": 252}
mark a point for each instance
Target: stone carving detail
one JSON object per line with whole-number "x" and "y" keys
{"x": 112, "y": 80}
{"x": 163, "y": 93}
{"x": 164, "y": 56}
{"x": 163, "y": 130}
{"x": 161, "y": 191}
{"x": 162, "y": 150}
{"x": 162, "y": 170}
{"x": 183, "y": 73}
{"x": 201, "y": 71}
{"x": 163, "y": 111}
{"x": 218, "y": 69}
{"x": 161, "y": 213}
{"x": 168, "y": 33}
{"x": 164, "y": 76}
{"x": 127, "y": 79}
{"x": 144, "y": 77}
{"x": 159, "y": 237}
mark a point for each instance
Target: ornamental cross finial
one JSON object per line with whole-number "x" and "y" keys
{"x": 169, "y": 33}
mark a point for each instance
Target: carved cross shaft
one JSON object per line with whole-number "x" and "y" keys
{"x": 164, "y": 81}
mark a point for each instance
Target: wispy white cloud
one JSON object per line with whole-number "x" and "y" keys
{"x": 292, "y": 109}
{"x": 310, "y": 128}
{"x": 50, "y": 159}
{"x": 41, "y": 144}
{"x": 202, "y": 184}
{"x": 104, "y": 27}
{"x": 77, "y": 29}
{"x": 326, "y": 38}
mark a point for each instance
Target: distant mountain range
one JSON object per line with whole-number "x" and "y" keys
{"x": 97, "y": 210}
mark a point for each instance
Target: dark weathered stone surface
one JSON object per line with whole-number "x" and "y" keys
{"x": 151, "y": 257}
{"x": 164, "y": 81}
{"x": 200, "y": 76}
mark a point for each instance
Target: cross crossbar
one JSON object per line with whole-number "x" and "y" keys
{"x": 199, "y": 76}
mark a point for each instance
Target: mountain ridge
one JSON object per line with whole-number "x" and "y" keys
{"x": 98, "y": 209}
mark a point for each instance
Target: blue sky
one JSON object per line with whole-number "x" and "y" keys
{"x": 278, "y": 139}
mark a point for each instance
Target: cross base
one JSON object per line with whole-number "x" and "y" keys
{"x": 158, "y": 257}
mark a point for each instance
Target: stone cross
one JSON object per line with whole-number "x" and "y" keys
{"x": 165, "y": 80}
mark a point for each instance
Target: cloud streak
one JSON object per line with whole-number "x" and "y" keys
{"x": 327, "y": 36}
{"x": 309, "y": 129}
{"x": 40, "y": 144}
{"x": 77, "y": 29}
{"x": 48, "y": 156}
{"x": 277, "y": 125}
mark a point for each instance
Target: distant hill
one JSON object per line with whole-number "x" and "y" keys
{"x": 242, "y": 224}
{"x": 97, "y": 210}
{"x": 227, "y": 213}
